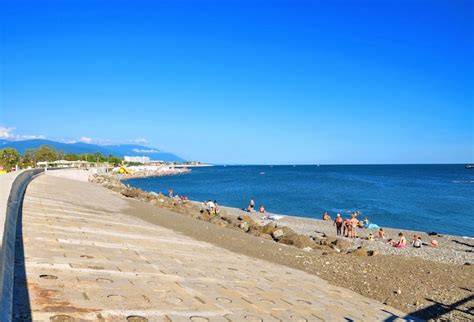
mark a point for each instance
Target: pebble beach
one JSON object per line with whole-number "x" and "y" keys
{"x": 457, "y": 250}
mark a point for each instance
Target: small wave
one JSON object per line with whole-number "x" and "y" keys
{"x": 462, "y": 181}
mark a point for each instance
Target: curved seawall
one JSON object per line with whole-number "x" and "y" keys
{"x": 12, "y": 188}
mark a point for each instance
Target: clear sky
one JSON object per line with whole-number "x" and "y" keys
{"x": 245, "y": 81}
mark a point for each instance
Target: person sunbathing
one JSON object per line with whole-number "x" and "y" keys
{"x": 381, "y": 233}
{"x": 326, "y": 217}
{"x": 402, "y": 242}
{"x": 417, "y": 243}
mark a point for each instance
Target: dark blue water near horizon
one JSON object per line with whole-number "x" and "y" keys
{"x": 420, "y": 197}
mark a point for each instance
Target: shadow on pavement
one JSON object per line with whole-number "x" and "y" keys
{"x": 21, "y": 299}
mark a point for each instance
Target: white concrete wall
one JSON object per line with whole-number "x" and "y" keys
{"x": 6, "y": 181}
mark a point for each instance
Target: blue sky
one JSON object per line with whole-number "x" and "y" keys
{"x": 245, "y": 81}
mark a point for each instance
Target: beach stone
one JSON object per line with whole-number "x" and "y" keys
{"x": 300, "y": 241}
{"x": 341, "y": 244}
{"x": 307, "y": 249}
{"x": 362, "y": 252}
{"x": 373, "y": 252}
{"x": 244, "y": 217}
{"x": 266, "y": 236}
{"x": 277, "y": 234}
{"x": 269, "y": 228}
{"x": 317, "y": 235}
{"x": 230, "y": 220}
{"x": 255, "y": 232}
{"x": 131, "y": 192}
{"x": 244, "y": 226}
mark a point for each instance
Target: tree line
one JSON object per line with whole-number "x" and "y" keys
{"x": 10, "y": 157}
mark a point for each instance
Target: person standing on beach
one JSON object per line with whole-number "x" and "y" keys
{"x": 354, "y": 221}
{"x": 338, "y": 224}
{"x": 347, "y": 227}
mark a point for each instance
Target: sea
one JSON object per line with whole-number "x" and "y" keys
{"x": 429, "y": 198}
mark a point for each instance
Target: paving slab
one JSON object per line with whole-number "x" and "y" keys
{"x": 85, "y": 259}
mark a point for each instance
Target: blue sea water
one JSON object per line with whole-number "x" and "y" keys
{"x": 420, "y": 197}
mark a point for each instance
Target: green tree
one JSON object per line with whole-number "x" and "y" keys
{"x": 9, "y": 158}
{"x": 114, "y": 160}
{"x": 72, "y": 157}
{"x": 97, "y": 157}
{"x": 29, "y": 158}
{"x": 46, "y": 153}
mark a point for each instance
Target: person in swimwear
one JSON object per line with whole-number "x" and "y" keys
{"x": 326, "y": 216}
{"x": 338, "y": 224}
{"x": 402, "y": 242}
{"x": 381, "y": 233}
{"x": 354, "y": 222}
{"x": 346, "y": 228}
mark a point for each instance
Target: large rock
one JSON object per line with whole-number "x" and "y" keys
{"x": 244, "y": 226}
{"x": 277, "y": 234}
{"x": 288, "y": 236}
{"x": 244, "y": 217}
{"x": 297, "y": 240}
{"x": 315, "y": 235}
{"x": 363, "y": 252}
{"x": 341, "y": 244}
{"x": 131, "y": 192}
{"x": 269, "y": 228}
{"x": 266, "y": 236}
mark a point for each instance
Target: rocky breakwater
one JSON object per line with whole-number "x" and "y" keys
{"x": 243, "y": 222}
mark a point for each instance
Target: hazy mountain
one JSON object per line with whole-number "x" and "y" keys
{"x": 119, "y": 150}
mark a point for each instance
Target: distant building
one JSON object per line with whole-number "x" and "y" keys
{"x": 138, "y": 159}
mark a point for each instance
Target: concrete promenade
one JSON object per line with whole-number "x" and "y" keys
{"x": 84, "y": 258}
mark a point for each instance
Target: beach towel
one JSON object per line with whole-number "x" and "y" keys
{"x": 275, "y": 217}
{"x": 372, "y": 226}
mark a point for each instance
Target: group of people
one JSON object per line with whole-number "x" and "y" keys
{"x": 251, "y": 207}
{"x": 348, "y": 228}
{"x": 211, "y": 207}
{"x": 416, "y": 242}
{"x": 176, "y": 197}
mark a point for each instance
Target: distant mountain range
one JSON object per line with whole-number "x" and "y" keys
{"x": 119, "y": 150}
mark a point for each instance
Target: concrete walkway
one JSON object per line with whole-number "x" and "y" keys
{"x": 85, "y": 259}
